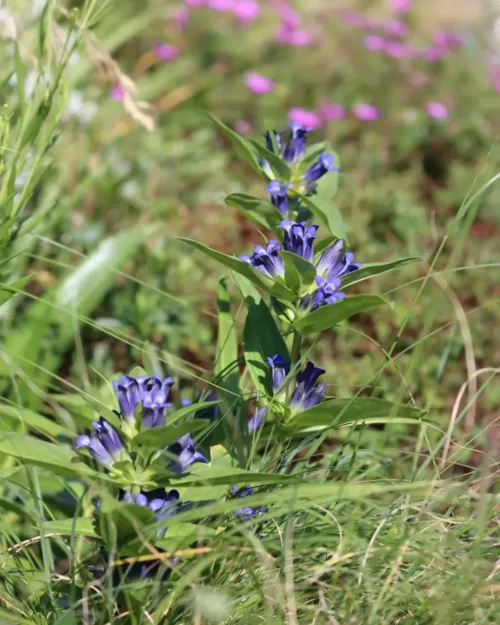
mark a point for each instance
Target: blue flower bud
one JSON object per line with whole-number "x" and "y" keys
{"x": 267, "y": 259}
{"x": 186, "y": 454}
{"x": 255, "y": 421}
{"x": 295, "y": 145}
{"x": 279, "y": 370}
{"x": 326, "y": 293}
{"x": 322, "y": 166}
{"x": 279, "y": 196}
{"x": 104, "y": 444}
{"x": 307, "y": 392}
{"x": 299, "y": 238}
{"x": 246, "y": 512}
{"x": 334, "y": 264}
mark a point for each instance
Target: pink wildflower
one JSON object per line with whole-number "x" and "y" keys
{"x": 307, "y": 119}
{"x": 259, "y": 84}
{"x": 366, "y": 112}
{"x": 373, "y": 42}
{"x": 246, "y": 10}
{"x": 331, "y": 112}
{"x": 165, "y": 52}
{"x": 437, "y": 110}
{"x": 117, "y": 93}
{"x": 400, "y": 6}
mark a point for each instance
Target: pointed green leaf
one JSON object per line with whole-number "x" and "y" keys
{"x": 278, "y": 165}
{"x": 298, "y": 271}
{"x": 71, "y": 527}
{"x": 262, "y": 212}
{"x": 375, "y": 269}
{"x": 327, "y": 316}
{"x": 9, "y": 290}
{"x": 163, "y": 436}
{"x": 226, "y": 355}
{"x": 242, "y": 145}
{"x": 325, "y": 210}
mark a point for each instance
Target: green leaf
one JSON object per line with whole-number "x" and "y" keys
{"x": 327, "y": 212}
{"x": 278, "y": 165}
{"x": 9, "y": 290}
{"x": 375, "y": 269}
{"x": 247, "y": 291}
{"x": 319, "y": 246}
{"x": 179, "y": 415}
{"x": 340, "y": 412}
{"x": 327, "y": 316}
{"x": 226, "y": 355}
{"x": 242, "y": 146}
{"x": 261, "y": 339}
{"x": 33, "y": 451}
{"x": 262, "y": 212}
{"x": 298, "y": 271}
{"x": 33, "y": 421}
{"x": 71, "y": 527}
{"x": 124, "y": 522}
{"x": 163, "y": 436}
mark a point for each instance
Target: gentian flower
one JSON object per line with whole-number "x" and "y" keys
{"x": 267, "y": 259}
{"x": 255, "y": 421}
{"x": 326, "y": 293}
{"x": 246, "y": 512}
{"x": 322, "y": 166}
{"x": 104, "y": 444}
{"x": 334, "y": 264}
{"x": 278, "y": 195}
{"x": 149, "y": 392}
{"x": 258, "y": 84}
{"x": 159, "y": 501}
{"x": 437, "y": 110}
{"x": 307, "y": 392}
{"x": 279, "y": 370}
{"x": 186, "y": 454}
{"x": 299, "y": 238}
{"x": 128, "y": 393}
{"x": 295, "y": 145}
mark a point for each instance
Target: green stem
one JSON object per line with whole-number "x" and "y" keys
{"x": 295, "y": 355}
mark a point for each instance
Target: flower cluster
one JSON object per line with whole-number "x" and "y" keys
{"x": 331, "y": 264}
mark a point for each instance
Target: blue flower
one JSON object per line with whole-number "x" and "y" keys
{"x": 267, "y": 259}
{"x": 186, "y": 454}
{"x": 255, "y": 421}
{"x": 159, "y": 501}
{"x": 269, "y": 141}
{"x": 279, "y": 196}
{"x": 322, "y": 166}
{"x": 326, "y": 293}
{"x": 104, "y": 444}
{"x": 149, "y": 392}
{"x": 307, "y": 392}
{"x": 246, "y": 512}
{"x": 299, "y": 238}
{"x": 295, "y": 145}
{"x": 334, "y": 264}
{"x": 279, "y": 370}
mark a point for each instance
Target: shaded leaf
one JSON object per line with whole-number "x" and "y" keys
{"x": 325, "y": 210}
{"x": 298, "y": 271}
{"x": 9, "y": 290}
{"x": 71, "y": 527}
{"x": 374, "y": 269}
{"x": 163, "y": 436}
{"x": 226, "y": 355}
{"x": 278, "y": 165}
{"x": 262, "y": 212}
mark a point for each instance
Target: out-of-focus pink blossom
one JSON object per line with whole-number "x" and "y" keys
{"x": 331, "y": 112}
{"x": 354, "y": 18}
{"x": 196, "y": 3}
{"x": 246, "y": 10}
{"x": 366, "y": 112}
{"x": 117, "y": 93}
{"x": 259, "y": 84}
{"x": 300, "y": 38}
{"x": 307, "y": 119}
{"x": 222, "y": 6}
{"x": 181, "y": 18}
{"x": 448, "y": 41}
{"x": 289, "y": 17}
{"x": 399, "y": 50}
{"x": 373, "y": 42}
{"x": 400, "y": 6}
{"x": 165, "y": 52}
{"x": 433, "y": 53}
{"x": 243, "y": 127}
{"x": 495, "y": 76}
{"x": 437, "y": 110}
{"x": 395, "y": 28}
{"x": 419, "y": 79}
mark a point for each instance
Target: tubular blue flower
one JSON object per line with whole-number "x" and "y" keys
{"x": 295, "y": 146}
{"x": 307, "y": 392}
{"x": 269, "y": 142}
{"x": 278, "y": 195}
{"x": 104, "y": 444}
{"x": 186, "y": 454}
{"x": 334, "y": 264}
{"x": 322, "y": 166}
{"x": 150, "y": 392}
{"x": 326, "y": 293}
{"x": 128, "y": 393}
{"x": 246, "y": 512}
{"x": 279, "y": 370}
{"x": 299, "y": 239}
{"x": 255, "y": 422}
{"x": 267, "y": 259}
{"x": 159, "y": 501}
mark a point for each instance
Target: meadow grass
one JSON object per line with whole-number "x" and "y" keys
{"x": 371, "y": 524}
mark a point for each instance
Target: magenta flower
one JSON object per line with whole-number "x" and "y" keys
{"x": 437, "y": 110}
{"x": 290, "y": 18}
{"x": 373, "y": 42}
{"x": 396, "y": 28}
{"x": 181, "y": 18}
{"x": 448, "y": 41}
{"x": 259, "y": 84}
{"x": 399, "y": 50}
{"x": 400, "y": 6}
{"x": 246, "y": 10}
{"x": 433, "y": 53}
{"x": 331, "y": 112}
{"x": 196, "y": 3}
{"x": 299, "y": 38}
{"x": 165, "y": 52}
{"x": 354, "y": 18}
{"x": 366, "y": 112}
{"x": 117, "y": 93}
{"x": 220, "y": 5}
{"x": 307, "y": 119}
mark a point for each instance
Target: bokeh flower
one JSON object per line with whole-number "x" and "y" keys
{"x": 258, "y": 84}
{"x": 436, "y": 110}
{"x": 366, "y": 112}
{"x": 400, "y": 6}
{"x": 165, "y": 52}
{"x": 246, "y": 10}
{"x": 306, "y": 119}
{"x": 374, "y": 42}
{"x": 399, "y": 50}
{"x": 246, "y": 512}
{"x": 117, "y": 92}
{"x": 330, "y": 112}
